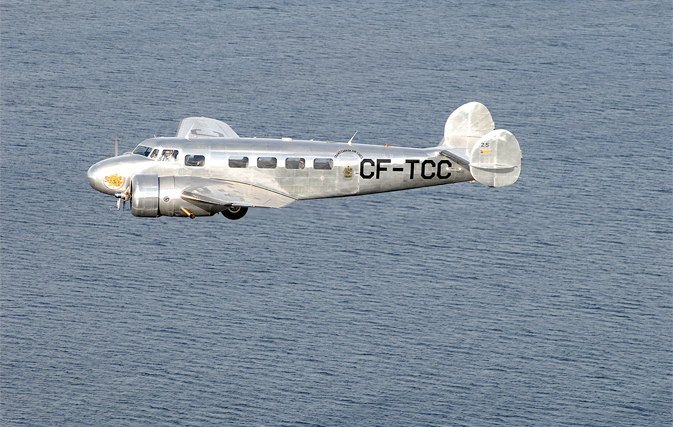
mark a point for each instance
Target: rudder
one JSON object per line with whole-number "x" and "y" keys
{"x": 495, "y": 160}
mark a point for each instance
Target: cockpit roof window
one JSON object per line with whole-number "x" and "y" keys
{"x": 142, "y": 150}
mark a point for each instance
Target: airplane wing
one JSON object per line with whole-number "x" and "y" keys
{"x": 235, "y": 194}
{"x": 203, "y": 127}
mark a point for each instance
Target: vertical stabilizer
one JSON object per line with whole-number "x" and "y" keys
{"x": 495, "y": 159}
{"x": 493, "y": 156}
{"x": 466, "y": 125}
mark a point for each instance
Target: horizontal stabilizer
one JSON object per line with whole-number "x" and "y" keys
{"x": 203, "y": 127}
{"x": 457, "y": 156}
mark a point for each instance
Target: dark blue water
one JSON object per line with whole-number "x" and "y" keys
{"x": 546, "y": 303}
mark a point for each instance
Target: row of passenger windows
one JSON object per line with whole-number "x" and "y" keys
{"x": 272, "y": 163}
{"x": 234, "y": 162}
{"x": 264, "y": 162}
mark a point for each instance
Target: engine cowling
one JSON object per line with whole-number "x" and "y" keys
{"x": 153, "y": 196}
{"x": 145, "y": 195}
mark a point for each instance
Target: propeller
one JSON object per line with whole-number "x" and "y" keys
{"x": 122, "y": 197}
{"x": 116, "y": 153}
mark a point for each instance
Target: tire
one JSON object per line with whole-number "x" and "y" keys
{"x": 235, "y": 212}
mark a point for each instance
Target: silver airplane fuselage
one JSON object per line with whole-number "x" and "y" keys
{"x": 303, "y": 169}
{"x": 207, "y": 168}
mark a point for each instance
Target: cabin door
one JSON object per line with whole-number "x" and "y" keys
{"x": 348, "y": 179}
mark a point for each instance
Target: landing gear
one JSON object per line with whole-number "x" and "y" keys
{"x": 235, "y": 212}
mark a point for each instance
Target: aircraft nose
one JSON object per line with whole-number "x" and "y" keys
{"x": 103, "y": 177}
{"x": 91, "y": 176}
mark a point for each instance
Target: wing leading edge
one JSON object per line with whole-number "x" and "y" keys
{"x": 233, "y": 194}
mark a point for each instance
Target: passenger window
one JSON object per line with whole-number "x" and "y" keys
{"x": 238, "y": 162}
{"x": 323, "y": 164}
{"x": 169, "y": 155}
{"x": 294, "y": 163}
{"x": 195, "y": 160}
{"x": 266, "y": 162}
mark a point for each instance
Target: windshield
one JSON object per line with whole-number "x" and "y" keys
{"x": 143, "y": 151}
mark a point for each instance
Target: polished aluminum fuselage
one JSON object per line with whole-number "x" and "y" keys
{"x": 356, "y": 168}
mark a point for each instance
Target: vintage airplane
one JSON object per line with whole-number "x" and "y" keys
{"x": 207, "y": 168}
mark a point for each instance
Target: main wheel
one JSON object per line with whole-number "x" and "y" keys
{"x": 235, "y": 212}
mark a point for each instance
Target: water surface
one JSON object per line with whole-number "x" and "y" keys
{"x": 544, "y": 303}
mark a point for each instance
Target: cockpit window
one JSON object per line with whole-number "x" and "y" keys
{"x": 154, "y": 153}
{"x": 143, "y": 151}
{"x": 169, "y": 155}
{"x": 195, "y": 160}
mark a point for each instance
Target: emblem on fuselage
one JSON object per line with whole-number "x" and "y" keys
{"x": 348, "y": 172}
{"x": 114, "y": 182}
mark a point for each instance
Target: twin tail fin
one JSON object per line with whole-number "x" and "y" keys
{"x": 470, "y": 138}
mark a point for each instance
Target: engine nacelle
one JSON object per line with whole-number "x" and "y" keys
{"x": 153, "y": 196}
{"x": 145, "y": 195}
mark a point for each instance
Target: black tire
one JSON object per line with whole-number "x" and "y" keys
{"x": 235, "y": 212}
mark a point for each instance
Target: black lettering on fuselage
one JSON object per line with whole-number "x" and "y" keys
{"x": 428, "y": 170}
{"x": 412, "y": 163}
{"x": 439, "y": 169}
{"x": 362, "y": 169}
{"x": 423, "y": 172}
{"x": 379, "y": 168}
